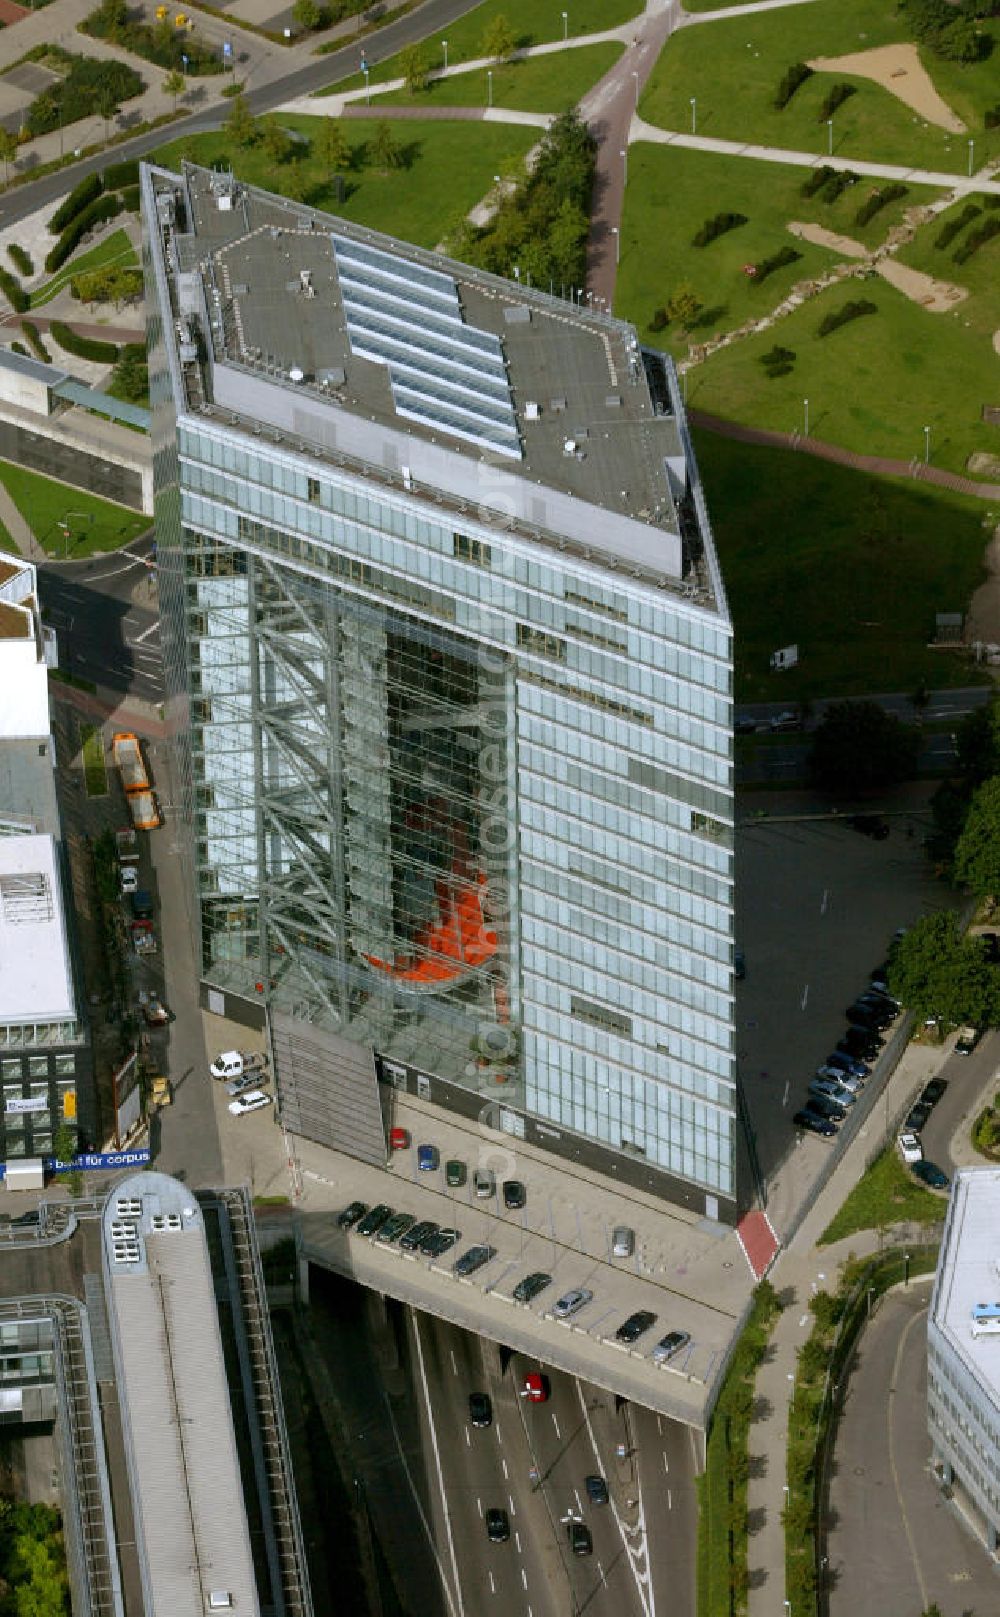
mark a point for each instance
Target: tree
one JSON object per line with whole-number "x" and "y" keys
{"x": 108, "y": 105}
{"x": 977, "y": 743}
{"x": 307, "y": 14}
{"x": 334, "y": 149}
{"x": 568, "y": 241}
{"x": 113, "y": 283}
{"x": 275, "y": 139}
{"x": 498, "y": 40}
{"x": 8, "y": 149}
{"x": 935, "y": 971}
{"x": 859, "y": 747}
{"x": 977, "y": 852}
{"x": 386, "y": 149}
{"x": 684, "y": 306}
{"x": 413, "y": 64}
{"x": 174, "y": 87}
{"x": 241, "y": 126}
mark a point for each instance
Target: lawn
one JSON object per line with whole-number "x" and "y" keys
{"x": 979, "y": 316}
{"x": 670, "y": 194}
{"x": 733, "y": 67}
{"x": 539, "y": 84}
{"x": 531, "y": 22}
{"x": 886, "y": 1194}
{"x": 95, "y": 776}
{"x": 852, "y": 568}
{"x": 94, "y": 524}
{"x": 449, "y": 168}
{"x": 114, "y": 249}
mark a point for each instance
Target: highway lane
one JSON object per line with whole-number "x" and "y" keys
{"x": 666, "y": 1461}
{"x": 324, "y": 70}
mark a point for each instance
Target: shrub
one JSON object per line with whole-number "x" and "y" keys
{"x": 946, "y": 235}
{"x": 14, "y": 292}
{"x": 130, "y": 379}
{"x": 102, "y": 209}
{"x": 837, "y": 182}
{"x": 778, "y": 260}
{"x": 795, "y": 76}
{"x": 33, "y": 335}
{"x": 856, "y": 309}
{"x": 991, "y": 202}
{"x": 19, "y": 348}
{"x": 975, "y": 239}
{"x": 659, "y": 320}
{"x": 717, "y": 226}
{"x": 130, "y": 199}
{"x": 118, "y": 175}
{"x": 103, "y": 353}
{"x": 21, "y": 259}
{"x": 991, "y": 117}
{"x": 160, "y": 43}
{"x": 778, "y": 361}
{"x": 834, "y": 99}
{"x": 879, "y": 199}
{"x": 80, "y": 93}
{"x": 817, "y": 179}
{"x": 88, "y": 190}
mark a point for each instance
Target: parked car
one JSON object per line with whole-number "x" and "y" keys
{"x": 580, "y": 1540}
{"x": 480, "y": 1409}
{"x": 417, "y": 1234}
{"x": 428, "y": 1158}
{"x": 788, "y": 720}
{"x": 635, "y": 1326}
{"x": 862, "y": 1042}
{"x": 845, "y": 1081}
{"x": 825, "y": 1089}
{"x": 670, "y": 1345}
{"x": 393, "y": 1228}
{"x": 455, "y": 1173}
{"x": 473, "y": 1259}
{"x": 234, "y": 1063}
{"x": 514, "y": 1194}
{"x": 840, "y": 1061}
{"x": 349, "y": 1217}
{"x": 622, "y": 1241}
{"x": 483, "y": 1182}
{"x": 929, "y": 1174}
{"x": 239, "y": 1086}
{"x": 823, "y": 1106}
{"x": 869, "y": 1008}
{"x": 254, "y": 1101}
{"x": 399, "y": 1139}
{"x": 870, "y": 825}
{"x": 597, "y": 1490}
{"x": 442, "y": 1241}
{"x": 917, "y": 1116}
{"x": 968, "y": 1038}
{"x": 932, "y": 1091}
{"x": 535, "y": 1388}
{"x": 497, "y": 1526}
{"x": 571, "y": 1302}
{"x": 531, "y": 1285}
{"x": 374, "y": 1219}
{"x": 814, "y": 1124}
{"x": 129, "y": 880}
{"x": 910, "y": 1148}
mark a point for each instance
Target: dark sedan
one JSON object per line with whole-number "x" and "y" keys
{"x": 815, "y": 1124}
{"x": 930, "y": 1174}
{"x": 634, "y": 1327}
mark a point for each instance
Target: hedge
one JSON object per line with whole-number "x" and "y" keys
{"x": 817, "y": 180}
{"x": 14, "y": 292}
{"x": 853, "y": 310}
{"x": 88, "y": 190}
{"x": 22, "y": 260}
{"x": 946, "y": 235}
{"x": 104, "y": 353}
{"x": 975, "y": 239}
{"x": 836, "y": 98}
{"x": 778, "y": 260}
{"x": 878, "y": 200}
{"x": 796, "y": 76}
{"x": 712, "y": 228}
{"x": 130, "y": 199}
{"x": 98, "y": 212}
{"x": 118, "y": 175}
{"x": 659, "y": 321}
{"x": 34, "y": 337}
{"x": 80, "y": 93}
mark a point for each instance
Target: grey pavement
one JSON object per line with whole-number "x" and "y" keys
{"x": 18, "y": 529}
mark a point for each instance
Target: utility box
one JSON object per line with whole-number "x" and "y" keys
{"x": 26, "y": 1175}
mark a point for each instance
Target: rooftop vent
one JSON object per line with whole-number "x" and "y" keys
{"x": 296, "y": 374}
{"x": 557, "y": 405}
{"x": 531, "y": 410}
{"x": 613, "y": 401}
{"x": 305, "y": 283}
{"x": 220, "y": 1600}
{"x": 517, "y": 314}
{"x": 569, "y": 446}
{"x": 128, "y": 1206}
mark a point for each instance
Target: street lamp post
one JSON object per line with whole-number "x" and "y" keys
{"x": 368, "y": 93}
{"x": 489, "y": 83}
{"x": 444, "y": 47}
{"x": 927, "y": 445}
{"x": 694, "y": 115}
{"x": 829, "y": 137}
{"x": 906, "y": 1268}
{"x": 565, "y": 18}
{"x": 618, "y": 243}
{"x": 805, "y": 418}
{"x": 972, "y": 154}
{"x": 624, "y": 157}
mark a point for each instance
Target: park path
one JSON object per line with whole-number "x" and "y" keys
{"x": 20, "y": 532}
{"x": 880, "y": 465}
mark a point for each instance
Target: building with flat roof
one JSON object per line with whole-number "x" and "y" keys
{"x": 963, "y": 1352}
{"x": 451, "y": 660}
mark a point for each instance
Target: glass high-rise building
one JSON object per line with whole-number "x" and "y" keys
{"x": 452, "y": 663}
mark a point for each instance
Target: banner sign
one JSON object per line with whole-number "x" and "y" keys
{"x": 93, "y": 1162}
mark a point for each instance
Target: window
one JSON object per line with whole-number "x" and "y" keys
{"x": 540, "y": 643}
{"x": 474, "y": 550}
{"x": 312, "y": 490}
{"x": 586, "y": 1010}
{"x": 707, "y": 827}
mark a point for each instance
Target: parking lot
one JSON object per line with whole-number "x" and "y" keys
{"x": 817, "y": 905}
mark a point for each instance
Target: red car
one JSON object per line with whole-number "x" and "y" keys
{"x": 536, "y": 1388}
{"x": 399, "y": 1139}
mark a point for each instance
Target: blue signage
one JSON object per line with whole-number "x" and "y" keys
{"x": 93, "y": 1162}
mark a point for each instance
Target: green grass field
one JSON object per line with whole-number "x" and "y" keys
{"x": 94, "y": 524}
{"x": 979, "y": 315}
{"x": 732, "y": 68}
{"x": 114, "y": 249}
{"x": 540, "y": 84}
{"x": 450, "y": 167}
{"x": 95, "y": 775}
{"x": 531, "y": 22}
{"x": 852, "y": 568}
{"x": 670, "y": 194}
{"x": 886, "y": 1194}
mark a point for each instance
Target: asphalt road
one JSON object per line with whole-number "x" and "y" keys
{"x": 106, "y": 616}
{"x": 966, "y": 1077}
{"x": 894, "y": 1544}
{"x": 666, "y": 1459}
{"x": 324, "y": 70}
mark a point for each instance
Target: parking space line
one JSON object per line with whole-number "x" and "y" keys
{"x": 805, "y": 996}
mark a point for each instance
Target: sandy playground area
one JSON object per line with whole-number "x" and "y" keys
{"x": 898, "y": 69}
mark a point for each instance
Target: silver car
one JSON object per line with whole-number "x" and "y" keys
{"x": 571, "y": 1302}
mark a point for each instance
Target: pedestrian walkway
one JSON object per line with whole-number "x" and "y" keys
{"x": 18, "y": 529}
{"x": 880, "y": 465}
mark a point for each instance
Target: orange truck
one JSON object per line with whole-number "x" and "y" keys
{"x": 142, "y": 804}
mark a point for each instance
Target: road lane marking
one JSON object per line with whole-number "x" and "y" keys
{"x": 504, "y": 1464}
{"x": 670, "y": 1502}
{"x": 517, "y": 1540}
{"x": 576, "y": 1496}
{"x": 641, "y": 1576}
{"x": 889, "y": 1411}
{"x": 805, "y": 996}
{"x": 479, "y": 1502}
{"x": 556, "y": 1425}
{"x": 416, "y": 1496}
{"x": 659, "y": 1424}
{"x": 454, "y": 1366}
{"x": 468, "y": 1440}
{"x": 493, "y": 1587}
{"x": 784, "y": 1098}
{"x": 513, "y": 1508}
{"x": 524, "y": 1579}
{"x": 666, "y": 1464}
{"x": 499, "y": 1438}
{"x": 153, "y": 627}
{"x": 601, "y": 1571}
{"x": 826, "y": 895}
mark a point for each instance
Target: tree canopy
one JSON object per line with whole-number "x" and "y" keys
{"x": 977, "y": 852}
{"x": 936, "y": 971}
{"x": 859, "y": 747}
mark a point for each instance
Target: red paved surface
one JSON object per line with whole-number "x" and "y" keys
{"x": 9, "y": 12}
{"x": 759, "y": 1242}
